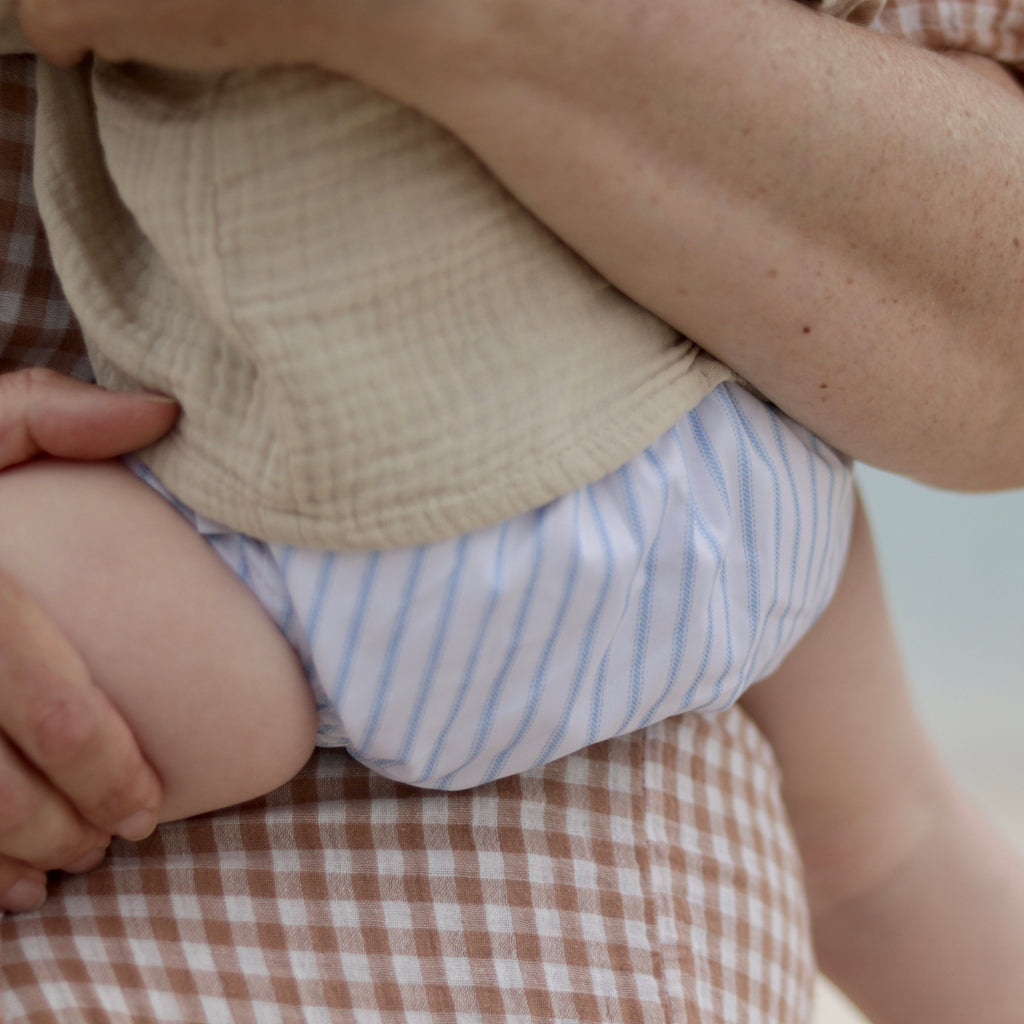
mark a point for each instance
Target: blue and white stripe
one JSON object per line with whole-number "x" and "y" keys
{"x": 670, "y": 585}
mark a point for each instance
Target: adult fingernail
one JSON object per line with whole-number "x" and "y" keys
{"x": 23, "y": 896}
{"x": 93, "y": 859}
{"x": 136, "y": 827}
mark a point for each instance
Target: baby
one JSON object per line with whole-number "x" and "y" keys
{"x": 670, "y": 582}
{"x": 468, "y": 620}
{"x": 497, "y": 511}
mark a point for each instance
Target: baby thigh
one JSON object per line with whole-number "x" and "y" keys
{"x": 211, "y": 689}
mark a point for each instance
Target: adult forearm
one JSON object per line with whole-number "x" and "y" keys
{"x": 837, "y": 215}
{"x": 917, "y": 903}
{"x": 941, "y": 940}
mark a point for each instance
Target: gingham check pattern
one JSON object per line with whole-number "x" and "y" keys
{"x": 650, "y": 878}
{"x": 992, "y": 28}
{"x": 36, "y": 325}
{"x": 646, "y": 880}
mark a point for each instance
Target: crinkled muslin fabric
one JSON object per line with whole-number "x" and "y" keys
{"x": 386, "y": 349}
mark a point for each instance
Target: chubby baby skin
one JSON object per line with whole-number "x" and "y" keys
{"x": 213, "y": 692}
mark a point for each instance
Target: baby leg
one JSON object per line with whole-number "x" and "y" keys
{"x": 213, "y": 692}
{"x": 917, "y": 902}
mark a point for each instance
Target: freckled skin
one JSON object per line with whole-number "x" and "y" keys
{"x": 822, "y": 205}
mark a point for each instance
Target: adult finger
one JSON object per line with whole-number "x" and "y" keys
{"x": 38, "y": 827}
{"x": 43, "y": 412}
{"x": 22, "y": 887}
{"x": 192, "y": 34}
{"x": 64, "y": 726}
{"x": 55, "y": 28}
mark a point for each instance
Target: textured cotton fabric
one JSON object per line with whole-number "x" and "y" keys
{"x": 374, "y": 344}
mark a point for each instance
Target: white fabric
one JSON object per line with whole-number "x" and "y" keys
{"x": 670, "y": 585}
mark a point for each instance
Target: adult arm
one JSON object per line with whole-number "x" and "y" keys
{"x": 917, "y": 901}
{"x": 71, "y": 773}
{"x": 837, "y": 215}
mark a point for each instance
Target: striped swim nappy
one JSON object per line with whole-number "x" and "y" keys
{"x": 670, "y": 585}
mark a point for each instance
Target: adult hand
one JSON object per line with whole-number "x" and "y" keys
{"x": 394, "y": 47}
{"x": 194, "y": 35}
{"x": 71, "y": 773}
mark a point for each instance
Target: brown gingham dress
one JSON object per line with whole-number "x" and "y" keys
{"x": 651, "y": 878}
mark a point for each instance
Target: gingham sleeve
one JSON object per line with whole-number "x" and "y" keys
{"x": 36, "y": 325}
{"x": 11, "y": 38}
{"x": 992, "y": 29}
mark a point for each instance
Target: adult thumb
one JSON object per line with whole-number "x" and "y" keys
{"x": 45, "y": 413}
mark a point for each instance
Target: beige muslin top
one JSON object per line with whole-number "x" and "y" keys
{"x": 374, "y": 345}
